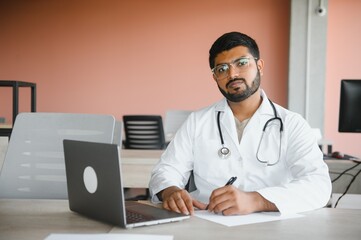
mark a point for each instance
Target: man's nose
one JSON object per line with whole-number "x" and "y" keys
{"x": 233, "y": 71}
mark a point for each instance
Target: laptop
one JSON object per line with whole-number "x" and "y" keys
{"x": 94, "y": 181}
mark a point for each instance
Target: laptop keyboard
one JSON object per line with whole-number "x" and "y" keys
{"x": 134, "y": 217}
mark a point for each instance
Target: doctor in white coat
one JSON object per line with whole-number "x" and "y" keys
{"x": 269, "y": 151}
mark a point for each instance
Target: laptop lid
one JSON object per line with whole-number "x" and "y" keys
{"x": 94, "y": 182}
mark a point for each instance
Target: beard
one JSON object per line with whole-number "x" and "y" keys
{"x": 249, "y": 91}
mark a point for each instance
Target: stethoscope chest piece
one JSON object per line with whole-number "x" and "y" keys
{"x": 224, "y": 152}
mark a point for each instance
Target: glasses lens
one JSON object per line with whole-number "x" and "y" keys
{"x": 240, "y": 65}
{"x": 221, "y": 71}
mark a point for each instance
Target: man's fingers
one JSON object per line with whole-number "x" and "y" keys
{"x": 173, "y": 205}
{"x": 180, "y": 202}
{"x": 215, "y": 202}
{"x": 223, "y": 206}
{"x": 219, "y": 199}
{"x": 189, "y": 205}
{"x": 199, "y": 205}
{"x": 230, "y": 211}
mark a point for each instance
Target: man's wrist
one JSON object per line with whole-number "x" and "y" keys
{"x": 163, "y": 194}
{"x": 263, "y": 205}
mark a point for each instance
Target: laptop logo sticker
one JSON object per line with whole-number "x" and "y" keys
{"x": 90, "y": 179}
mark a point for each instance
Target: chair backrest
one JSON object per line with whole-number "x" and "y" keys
{"x": 34, "y": 163}
{"x": 173, "y": 121}
{"x": 143, "y": 132}
{"x": 118, "y": 130}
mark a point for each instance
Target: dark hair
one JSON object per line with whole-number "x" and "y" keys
{"x": 230, "y": 40}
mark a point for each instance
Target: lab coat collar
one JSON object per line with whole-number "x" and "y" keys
{"x": 266, "y": 107}
{"x": 222, "y": 105}
{"x": 227, "y": 121}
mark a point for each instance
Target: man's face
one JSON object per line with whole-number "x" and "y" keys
{"x": 237, "y": 73}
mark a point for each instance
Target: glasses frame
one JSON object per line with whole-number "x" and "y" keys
{"x": 233, "y": 65}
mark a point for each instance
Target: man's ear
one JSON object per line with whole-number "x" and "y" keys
{"x": 260, "y": 65}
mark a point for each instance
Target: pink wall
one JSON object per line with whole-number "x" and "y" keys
{"x": 130, "y": 57}
{"x": 124, "y": 57}
{"x": 343, "y": 62}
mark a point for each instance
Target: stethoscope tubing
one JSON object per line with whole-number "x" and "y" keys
{"x": 224, "y": 152}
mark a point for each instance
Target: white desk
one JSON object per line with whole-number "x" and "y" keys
{"x": 326, "y": 223}
{"x": 35, "y": 219}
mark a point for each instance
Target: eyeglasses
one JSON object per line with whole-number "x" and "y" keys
{"x": 221, "y": 71}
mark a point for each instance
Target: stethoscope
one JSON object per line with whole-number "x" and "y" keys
{"x": 225, "y": 152}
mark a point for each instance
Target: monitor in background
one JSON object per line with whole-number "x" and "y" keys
{"x": 350, "y": 107}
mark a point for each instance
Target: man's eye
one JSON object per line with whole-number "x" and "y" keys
{"x": 242, "y": 62}
{"x": 222, "y": 68}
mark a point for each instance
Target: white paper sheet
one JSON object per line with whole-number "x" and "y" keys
{"x": 106, "y": 236}
{"x": 231, "y": 221}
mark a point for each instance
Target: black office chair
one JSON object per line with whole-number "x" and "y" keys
{"x": 143, "y": 132}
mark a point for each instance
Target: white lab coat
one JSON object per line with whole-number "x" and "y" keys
{"x": 298, "y": 182}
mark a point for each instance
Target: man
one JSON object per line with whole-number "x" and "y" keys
{"x": 270, "y": 150}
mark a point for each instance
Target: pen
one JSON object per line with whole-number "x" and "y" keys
{"x": 230, "y": 182}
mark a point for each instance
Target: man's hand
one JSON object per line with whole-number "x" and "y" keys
{"x": 179, "y": 200}
{"x": 229, "y": 200}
